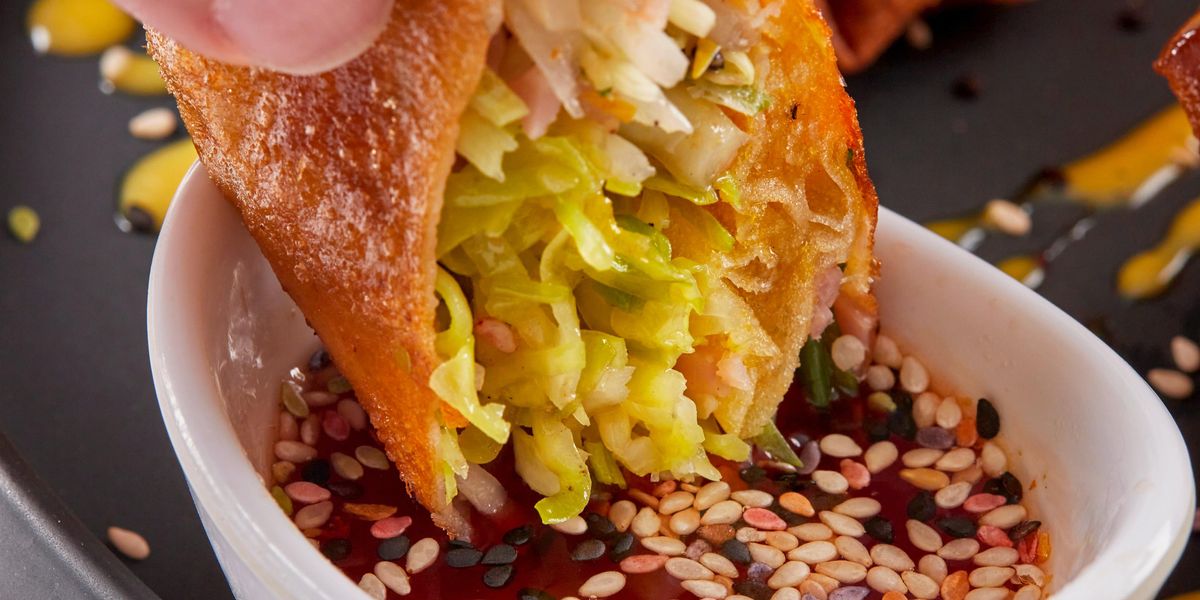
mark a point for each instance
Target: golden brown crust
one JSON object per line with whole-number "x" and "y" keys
{"x": 804, "y": 178}
{"x": 339, "y": 177}
{"x": 1180, "y": 64}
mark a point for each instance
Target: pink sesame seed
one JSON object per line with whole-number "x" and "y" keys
{"x": 993, "y": 536}
{"x": 335, "y": 426}
{"x": 856, "y": 474}
{"x": 981, "y": 503}
{"x": 386, "y": 529}
{"x": 306, "y": 492}
{"x": 761, "y": 518}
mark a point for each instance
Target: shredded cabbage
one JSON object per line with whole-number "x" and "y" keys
{"x": 561, "y": 238}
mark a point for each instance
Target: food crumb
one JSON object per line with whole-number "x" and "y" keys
{"x": 967, "y": 87}
{"x": 918, "y": 35}
{"x": 1006, "y": 217}
{"x": 24, "y": 223}
{"x": 129, "y": 543}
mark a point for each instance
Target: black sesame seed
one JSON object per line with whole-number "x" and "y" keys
{"x": 880, "y": 529}
{"x": 459, "y": 544}
{"x": 518, "y": 536}
{"x": 877, "y": 431}
{"x": 987, "y": 420}
{"x": 316, "y": 471}
{"x": 822, "y": 501}
{"x": 534, "y": 594}
{"x": 346, "y": 490}
{"x": 622, "y": 546}
{"x": 901, "y": 423}
{"x": 922, "y": 507}
{"x": 599, "y": 526}
{"x": 319, "y": 360}
{"x": 752, "y": 589}
{"x": 498, "y": 577}
{"x": 959, "y": 527}
{"x": 1022, "y": 529}
{"x": 753, "y": 475}
{"x": 903, "y": 399}
{"x": 500, "y": 554}
{"x": 759, "y": 571}
{"x": 588, "y": 550}
{"x": 336, "y": 549}
{"x": 1130, "y": 19}
{"x": 461, "y": 558}
{"x": 736, "y": 551}
{"x": 393, "y": 549}
{"x": 1011, "y": 486}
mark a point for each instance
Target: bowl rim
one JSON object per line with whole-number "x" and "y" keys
{"x": 270, "y": 547}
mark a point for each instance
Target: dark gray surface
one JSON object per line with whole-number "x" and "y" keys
{"x": 1059, "y": 80}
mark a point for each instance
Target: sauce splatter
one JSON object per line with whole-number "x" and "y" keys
{"x": 150, "y": 184}
{"x": 76, "y": 27}
{"x": 1148, "y": 273}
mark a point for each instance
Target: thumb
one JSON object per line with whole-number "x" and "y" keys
{"x": 294, "y": 36}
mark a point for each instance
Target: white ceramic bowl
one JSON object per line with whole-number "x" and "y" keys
{"x": 1114, "y": 484}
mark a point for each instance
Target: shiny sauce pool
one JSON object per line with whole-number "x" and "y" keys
{"x": 544, "y": 567}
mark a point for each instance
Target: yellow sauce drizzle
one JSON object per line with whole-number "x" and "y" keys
{"x": 1020, "y": 267}
{"x": 151, "y": 181}
{"x": 1148, "y": 273}
{"x": 76, "y": 27}
{"x": 1111, "y": 175}
{"x": 125, "y": 70}
{"x": 954, "y": 228}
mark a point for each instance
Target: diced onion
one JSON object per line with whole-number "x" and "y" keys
{"x": 693, "y": 16}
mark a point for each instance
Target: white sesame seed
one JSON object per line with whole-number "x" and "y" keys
{"x": 753, "y": 498}
{"x": 959, "y": 549}
{"x": 647, "y": 522}
{"x": 1004, "y": 517}
{"x": 843, "y": 571}
{"x": 892, "y": 557}
{"x": 719, "y": 564}
{"x": 393, "y": 577}
{"x": 830, "y": 482}
{"x": 421, "y": 555}
{"x": 114, "y": 62}
{"x": 750, "y": 534}
{"x": 372, "y": 586}
{"x": 705, "y": 589}
{"x": 295, "y": 452}
{"x": 990, "y": 593}
{"x": 573, "y": 526}
{"x": 685, "y": 522}
{"x": 1171, "y": 383}
{"x": 664, "y": 545}
{"x": 675, "y": 502}
{"x": 841, "y": 524}
{"x": 811, "y": 532}
{"x": 956, "y": 460}
{"x": 313, "y": 515}
{"x": 711, "y": 494}
{"x": 782, "y": 540}
{"x": 848, "y": 352}
{"x": 787, "y": 593}
{"x": 722, "y": 513}
{"x": 953, "y": 495}
{"x": 880, "y": 456}
{"x": 1030, "y": 574}
{"x": 860, "y": 507}
{"x": 621, "y": 514}
{"x": 853, "y": 550}
{"x": 998, "y": 556}
{"x": 886, "y": 352}
{"x": 923, "y": 536}
{"x": 883, "y": 579}
{"x": 972, "y": 474}
{"x": 993, "y": 460}
{"x": 1186, "y": 354}
{"x": 924, "y": 409}
{"x": 772, "y": 557}
{"x": 686, "y": 568}
{"x": 839, "y": 445}
{"x": 346, "y": 466}
{"x": 985, "y": 577}
{"x": 603, "y": 585}
{"x": 913, "y": 376}
{"x": 918, "y": 458}
{"x": 949, "y": 414}
{"x": 371, "y": 457}
{"x": 933, "y": 567}
{"x": 880, "y": 378}
{"x": 1028, "y": 592}
{"x": 128, "y": 542}
{"x": 788, "y": 575}
{"x": 153, "y": 124}
{"x": 1006, "y": 217}
{"x": 814, "y": 552}
{"x": 920, "y": 586}
{"x": 352, "y": 412}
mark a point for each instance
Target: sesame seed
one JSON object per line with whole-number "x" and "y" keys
{"x": 1171, "y": 383}
{"x": 1185, "y": 353}
{"x": 128, "y": 542}
{"x": 153, "y": 124}
{"x": 602, "y": 585}
{"x": 1006, "y": 217}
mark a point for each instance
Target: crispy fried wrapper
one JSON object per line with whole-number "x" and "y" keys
{"x": 339, "y": 177}
{"x": 1180, "y": 64}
